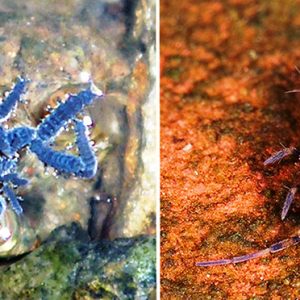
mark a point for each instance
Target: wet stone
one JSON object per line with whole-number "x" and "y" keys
{"x": 68, "y": 266}
{"x": 60, "y": 49}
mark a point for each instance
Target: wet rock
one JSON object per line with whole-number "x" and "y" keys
{"x": 59, "y": 49}
{"x": 68, "y": 266}
{"x": 102, "y": 208}
{"x": 223, "y": 93}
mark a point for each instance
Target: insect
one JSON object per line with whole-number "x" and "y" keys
{"x": 38, "y": 140}
{"x": 276, "y": 157}
{"x": 272, "y": 249}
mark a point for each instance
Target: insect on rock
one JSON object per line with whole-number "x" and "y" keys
{"x": 276, "y": 157}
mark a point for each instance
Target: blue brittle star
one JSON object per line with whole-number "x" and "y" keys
{"x": 38, "y": 140}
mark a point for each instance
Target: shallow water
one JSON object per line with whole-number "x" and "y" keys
{"x": 60, "y": 47}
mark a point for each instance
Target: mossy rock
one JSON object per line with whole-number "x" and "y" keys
{"x": 69, "y": 266}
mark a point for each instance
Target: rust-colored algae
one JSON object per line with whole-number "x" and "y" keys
{"x": 225, "y": 68}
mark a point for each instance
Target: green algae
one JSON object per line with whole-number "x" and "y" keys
{"x": 33, "y": 47}
{"x": 68, "y": 266}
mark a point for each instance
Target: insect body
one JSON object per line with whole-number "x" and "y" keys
{"x": 276, "y": 157}
{"x": 38, "y": 141}
{"x": 272, "y": 249}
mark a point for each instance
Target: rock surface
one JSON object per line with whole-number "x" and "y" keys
{"x": 68, "y": 266}
{"x": 225, "y": 68}
{"x": 59, "y": 47}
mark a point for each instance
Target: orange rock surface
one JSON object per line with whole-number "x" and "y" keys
{"x": 225, "y": 68}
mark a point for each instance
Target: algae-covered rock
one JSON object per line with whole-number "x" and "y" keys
{"x": 69, "y": 266}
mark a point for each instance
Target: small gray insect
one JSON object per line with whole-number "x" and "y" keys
{"x": 276, "y": 157}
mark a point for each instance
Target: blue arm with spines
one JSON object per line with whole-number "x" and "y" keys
{"x": 14, "y": 202}
{"x": 59, "y": 160}
{"x": 65, "y": 112}
{"x": 4, "y": 144}
{"x": 13, "y": 97}
{"x": 37, "y": 140}
{"x": 7, "y": 165}
{"x": 2, "y": 205}
{"x": 86, "y": 152}
{"x": 19, "y": 138}
{"x": 14, "y": 179}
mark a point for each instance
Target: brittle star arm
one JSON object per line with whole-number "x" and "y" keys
{"x": 14, "y": 201}
{"x": 7, "y": 165}
{"x": 18, "y": 138}
{"x": 272, "y": 249}
{"x": 12, "y": 98}
{"x": 3, "y": 207}
{"x": 85, "y": 150}
{"x": 4, "y": 144}
{"x": 66, "y": 111}
{"x": 14, "y": 179}
{"x": 9, "y": 176}
{"x": 59, "y": 160}
{"x": 84, "y": 165}
{"x": 13, "y": 140}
